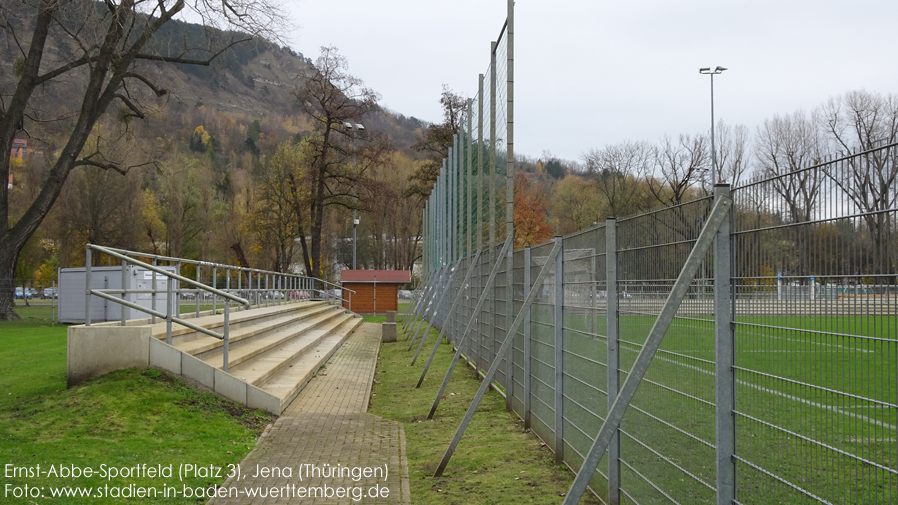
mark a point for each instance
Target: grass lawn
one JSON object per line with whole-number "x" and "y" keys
{"x": 123, "y": 419}
{"x": 497, "y": 462}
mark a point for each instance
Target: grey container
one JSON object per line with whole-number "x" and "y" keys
{"x": 72, "y": 292}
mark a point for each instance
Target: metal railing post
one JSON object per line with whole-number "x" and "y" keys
{"x": 153, "y": 295}
{"x": 177, "y": 303}
{"x": 225, "y": 334}
{"x": 170, "y": 303}
{"x": 240, "y": 285}
{"x": 613, "y": 353}
{"x": 197, "y": 293}
{"x": 214, "y": 284}
{"x": 123, "y": 314}
{"x": 725, "y": 358}
{"x": 87, "y": 280}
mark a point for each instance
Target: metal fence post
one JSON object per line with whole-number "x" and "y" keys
{"x": 613, "y": 354}
{"x": 725, "y": 359}
{"x": 527, "y": 336}
{"x": 509, "y": 310}
{"x": 706, "y": 238}
{"x": 559, "y": 351}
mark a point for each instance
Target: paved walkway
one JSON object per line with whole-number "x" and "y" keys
{"x": 325, "y": 448}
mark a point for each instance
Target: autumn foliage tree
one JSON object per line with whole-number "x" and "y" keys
{"x": 531, "y": 213}
{"x": 97, "y": 54}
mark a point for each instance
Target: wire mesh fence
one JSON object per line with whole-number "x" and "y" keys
{"x": 813, "y": 299}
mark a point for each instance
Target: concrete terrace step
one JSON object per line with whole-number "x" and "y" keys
{"x": 204, "y": 346}
{"x": 238, "y": 319}
{"x": 272, "y": 352}
{"x": 275, "y": 359}
{"x": 291, "y": 380}
{"x": 282, "y": 335}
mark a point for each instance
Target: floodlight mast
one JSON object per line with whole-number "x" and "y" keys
{"x": 712, "y": 73}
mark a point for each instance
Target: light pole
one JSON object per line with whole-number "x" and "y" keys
{"x": 712, "y": 73}
{"x": 355, "y": 189}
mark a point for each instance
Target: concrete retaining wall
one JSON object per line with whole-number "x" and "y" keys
{"x": 97, "y": 350}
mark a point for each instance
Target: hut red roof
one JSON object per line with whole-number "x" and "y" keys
{"x": 380, "y": 276}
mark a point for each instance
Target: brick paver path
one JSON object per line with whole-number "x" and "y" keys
{"x": 324, "y": 442}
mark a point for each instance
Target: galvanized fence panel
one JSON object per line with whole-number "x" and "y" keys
{"x": 817, "y": 334}
{"x": 813, "y": 295}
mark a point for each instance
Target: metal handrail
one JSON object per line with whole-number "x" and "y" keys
{"x": 199, "y": 287}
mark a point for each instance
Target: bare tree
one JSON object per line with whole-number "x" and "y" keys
{"x": 333, "y": 97}
{"x": 93, "y": 54}
{"x": 679, "y": 166}
{"x": 618, "y": 170}
{"x": 786, "y": 147}
{"x": 863, "y": 121}
{"x": 733, "y": 153}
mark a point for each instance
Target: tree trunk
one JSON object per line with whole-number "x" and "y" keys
{"x": 8, "y": 258}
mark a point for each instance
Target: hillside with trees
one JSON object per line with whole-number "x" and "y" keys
{"x": 198, "y": 141}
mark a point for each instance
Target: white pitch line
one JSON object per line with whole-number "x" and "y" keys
{"x": 743, "y": 332}
{"x": 789, "y": 397}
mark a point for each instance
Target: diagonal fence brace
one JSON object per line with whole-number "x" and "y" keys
{"x": 438, "y": 297}
{"x": 421, "y": 305}
{"x": 612, "y": 422}
{"x": 431, "y": 306}
{"x": 458, "y": 296}
{"x": 494, "y": 366}
{"x": 461, "y": 341}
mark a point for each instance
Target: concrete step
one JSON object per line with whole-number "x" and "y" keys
{"x": 290, "y": 380}
{"x": 238, "y": 319}
{"x": 269, "y": 363}
{"x": 282, "y": 335}
{"x": 272, "y": 352}
{"x": 204, "y": 346}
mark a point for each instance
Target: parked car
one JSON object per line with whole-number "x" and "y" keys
{"x": 22, "y": 293}
{"x": 49, "y": 293}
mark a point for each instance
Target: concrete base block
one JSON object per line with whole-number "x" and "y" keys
{"x": 229, "y": 386}
{"x": 388, "y": 332}
{"x": 258, "y": 399}
{"x": 195, "y": 369}
{"x": 93, "y": 351}
{"x": 165, "y": 356}
{"x": 391, "y": 316}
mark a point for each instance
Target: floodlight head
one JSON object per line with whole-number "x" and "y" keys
{"x": 703, "y": 70}
{"x": 719, "y": 69}
{"x": 347, "y": 124}
{"x": 359, "y": 127}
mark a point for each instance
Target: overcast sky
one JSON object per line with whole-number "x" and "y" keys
{"x": 592, "y": 73}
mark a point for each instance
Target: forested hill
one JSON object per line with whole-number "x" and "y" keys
{"x": 199, "y": 162}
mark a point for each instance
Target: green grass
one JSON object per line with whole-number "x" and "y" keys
{"x": 497, "y": 462}
{"x": 126, "y": 418}
{"x": 801, "y": 433}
